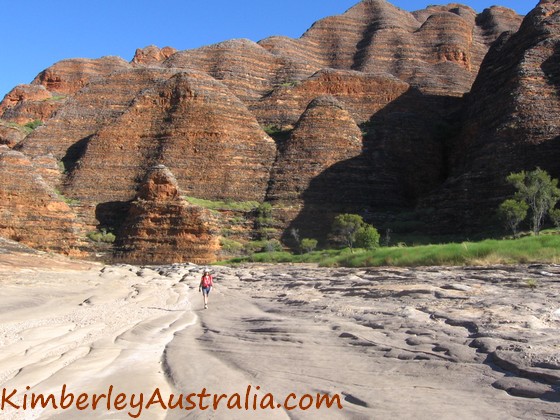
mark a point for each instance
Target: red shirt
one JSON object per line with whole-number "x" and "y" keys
{"x": 206, "y": 281}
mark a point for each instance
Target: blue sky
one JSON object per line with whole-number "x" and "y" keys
{"x": 36, "y": 34}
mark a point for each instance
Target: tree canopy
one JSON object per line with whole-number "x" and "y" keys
{"x": 539, "y": 191}
{"x": 352, "y": 230}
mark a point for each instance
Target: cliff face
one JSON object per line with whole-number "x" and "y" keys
{"x": 31, "y": 211}
{"x": 192, "y": 124}
{"x": 510, "y": 120}
{"x": 160, "y": 226}
{"x": 325, "y": 135}
{"x": 365, "y": 113}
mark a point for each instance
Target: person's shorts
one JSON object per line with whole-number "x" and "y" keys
{"x": 206, "y": 290}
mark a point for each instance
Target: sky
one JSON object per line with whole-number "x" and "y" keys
{"x": 38, "y": 33}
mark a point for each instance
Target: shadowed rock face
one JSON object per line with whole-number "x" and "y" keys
{"x": 398, "y": 76}
{"x": 161, "y": 227}
{"x": 325, "y": 135}
{"x": 510, "y": 120}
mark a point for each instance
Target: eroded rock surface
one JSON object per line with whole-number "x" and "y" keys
{"x": 31, "y": 211}
{"x": 502, "y": 319}
{"x": 162, "y": 227}
{"x": 432, "y": 342}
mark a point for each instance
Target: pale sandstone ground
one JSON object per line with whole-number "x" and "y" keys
{"x": 426, "y": 343}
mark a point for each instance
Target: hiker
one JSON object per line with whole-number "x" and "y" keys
{"x": 205, "y": 286}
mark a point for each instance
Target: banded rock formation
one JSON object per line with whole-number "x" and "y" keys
{"x": 46, "y": 93}
{"x": 437, "y": 50}
{"x": 363, "y": 94}
{"x": 98, "y": 104}
{"x": 31, "y": 211}
{"x": 399, "y": 76}
{"x": 11, "y": 134}
{"x": 510, "y": 121}
{"x": 193, "y": 125}
{"x": 161, "y": 227}
{"x": 325, "y": 135}
{"x": 26, "y": 103}
{"x": 245, "y": 67}
{"x": 152, "y": 55}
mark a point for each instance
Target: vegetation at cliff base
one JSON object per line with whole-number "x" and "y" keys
{"x": 530, "y": 249}
{"x": 536, "y": 191}
{"x": 102, "y": 236}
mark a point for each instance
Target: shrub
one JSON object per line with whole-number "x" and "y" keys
{"x": 554, "y": 215}
{"x": 67, "y": 200}
{"x": 230, "y": 246}
{"x": 351, "y": 229}
{"x": 308, "y": 245}
{"x": 367, "y": 237}
{"x": 271, "y": 129}
{"x": 295, "y": 234}
{"x": 243, "y": 206}
{"x": 273, "y": 246}
{"x": 346, "y": 226}
{"x": 290, "y": 83}
{"x": 266, "y": 233}
{"x": 264, "y": 216}
{"x": 513, "y": 212}
{"x": 531, "y": 283}
{"x": 32, "y": 125}
{"x": 102, "y": 236}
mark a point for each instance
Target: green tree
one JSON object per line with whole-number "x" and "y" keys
{"x": 554, "y": 215}
{"x": 308, "y": 245}
{"x": 513, "y": 212}
{"x": 273, "y": 245}
{"x": 346, "y": 226}
{"x": 367, "y": 237}
{"x": 539, "y": 191}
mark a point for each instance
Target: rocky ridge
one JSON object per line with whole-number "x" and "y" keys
{"x": 509, "y": 113}
{"x": 399, "y": 77}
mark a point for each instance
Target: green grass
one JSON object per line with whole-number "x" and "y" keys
{"x": 55, "y": 98}
{"x": 531, "y": 249}
{"x": 101, "y": 236}
{"x": 244, "y": 206}
{"x": 26, "y": 128}
{"x": 67, "y": 200}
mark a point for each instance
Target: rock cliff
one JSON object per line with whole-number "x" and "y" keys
{"x": 162, "y": 227}
{"x": 31, "y": 211}
{"x": 193, "y": 125}
{"x": 509, "y": 121}
{"x": 370, "y": 111}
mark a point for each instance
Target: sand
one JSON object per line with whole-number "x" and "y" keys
{"x": 408, "y": 343}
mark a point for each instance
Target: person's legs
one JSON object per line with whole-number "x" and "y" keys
{"x": 205, "y": 292}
